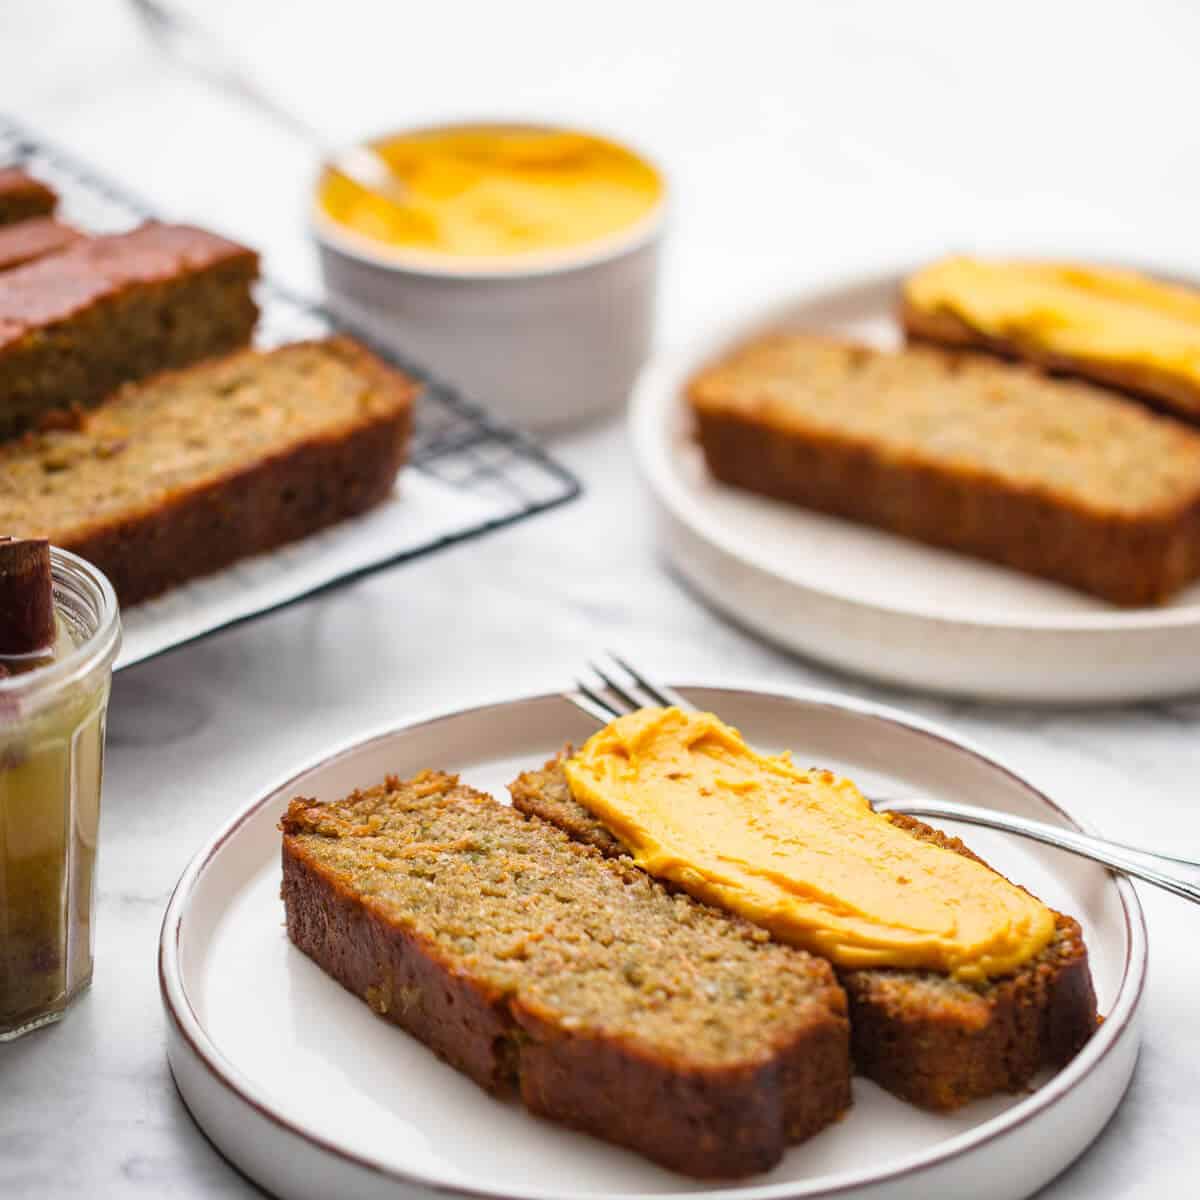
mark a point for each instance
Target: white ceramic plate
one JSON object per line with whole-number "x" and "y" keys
{"x": 312, "y": 1095}
{"x": 874, "y": 603}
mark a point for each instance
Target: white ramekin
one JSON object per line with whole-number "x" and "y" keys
{"x": 546, "y": 342}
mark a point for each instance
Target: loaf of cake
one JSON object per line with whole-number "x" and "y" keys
{"x": 22, "y": 196}
{"x": 537, "y": 966}
{"x": 1112, "y": 326}
{"x": 933, "y": 1040}
{"x": 24, "y": 241}
{"x": 1056, "y": 478}
{"x": 185, "y": 473}
{"x": 112, "y": 309}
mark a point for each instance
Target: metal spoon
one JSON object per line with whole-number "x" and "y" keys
{"x": 196, "y": 49}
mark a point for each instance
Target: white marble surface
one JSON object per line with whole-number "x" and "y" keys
{"x": 804, "y": 140}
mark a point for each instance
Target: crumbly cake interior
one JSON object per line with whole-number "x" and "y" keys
{"x": 1069, "y": 440}
{"x": 596, "y": 942}
{"x": 140, "y": 447}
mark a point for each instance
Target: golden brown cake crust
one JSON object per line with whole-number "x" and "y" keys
{"x": 1163, "y": 389}
{"x": 927, "y": 1038}
{"x": 34, "y": 238}
{"x": 708, "y": 1117}
{"x": 1127, "y": 556}
{"x": 23, "y": 196}
{"x": 111, "y": 309}
{"x": 260, "y": 502}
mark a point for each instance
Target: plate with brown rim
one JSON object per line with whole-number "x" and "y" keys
{"x": 302, "y": 1087}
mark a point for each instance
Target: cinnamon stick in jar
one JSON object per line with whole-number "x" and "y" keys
{"x": 27, "y": 624}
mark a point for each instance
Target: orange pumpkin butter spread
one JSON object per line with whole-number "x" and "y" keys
{"x": 798, "y": 852}
{"x": 489, "y": 192}
{"x": 1100, "y": 313}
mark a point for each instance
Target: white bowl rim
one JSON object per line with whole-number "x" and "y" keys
{"x": 1118, "y": 1021}
{"x": 653, "y": 452}
{"x": 429, "y": 264}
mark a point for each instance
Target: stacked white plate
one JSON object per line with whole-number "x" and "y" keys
{"x": 874, "y": 603}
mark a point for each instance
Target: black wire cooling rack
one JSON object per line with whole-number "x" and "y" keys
{"x": 454, "y": 440}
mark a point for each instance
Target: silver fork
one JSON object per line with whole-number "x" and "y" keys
{"x": 622, "y": 688}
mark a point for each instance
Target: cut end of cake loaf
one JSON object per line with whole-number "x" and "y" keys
{"x": 23, "y": 196}
{"x": 108, "y": 310}
{"x": 940, "y": 1043}
{"x": 927, "y": 1038}
{"x": 532, "y": 963}
{"x": 185, "y": 473}
{"x": 1055, "y": 478}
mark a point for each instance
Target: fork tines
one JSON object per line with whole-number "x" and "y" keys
{"x": 622, "y": 689}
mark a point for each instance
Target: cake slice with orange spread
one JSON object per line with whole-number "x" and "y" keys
{"x": 960, "y": 983}
{"x": 1105, "y": 324}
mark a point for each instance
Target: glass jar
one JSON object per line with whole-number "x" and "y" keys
{"x": 51, "y": 763}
